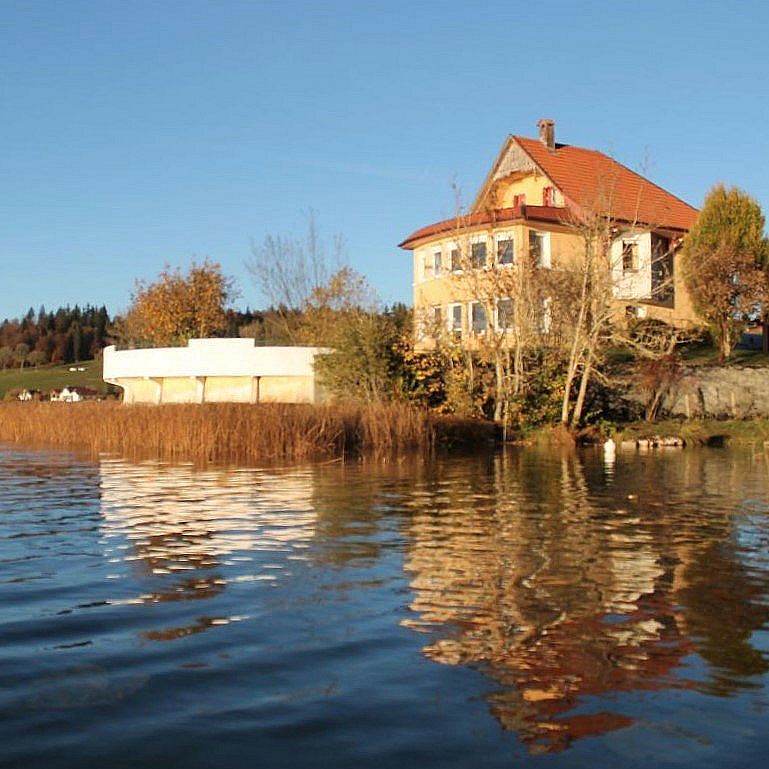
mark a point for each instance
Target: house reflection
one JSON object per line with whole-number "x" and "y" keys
{"x": 559, "y": 588}
{"x": 183, "y": 527}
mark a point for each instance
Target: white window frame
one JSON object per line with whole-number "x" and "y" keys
{"x": 545, "y": 259}
{"x": 450, "y": 249}
{"x": 503, "y": 237}
{"x": 482, "y": 238}
{"x": 471, "y": 324}
{"x": 452, "y": 329}
{"x": 633, "y": 242}
{"x": 437, "y": 256}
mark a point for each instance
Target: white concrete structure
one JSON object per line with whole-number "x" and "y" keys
{"x": 214, "y": 370}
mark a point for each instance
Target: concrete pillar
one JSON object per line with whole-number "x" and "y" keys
{"x": 158, "y": 389}
{"x": 200, "y": 389}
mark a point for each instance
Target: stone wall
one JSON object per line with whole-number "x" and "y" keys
{"x": 720, "y": 391}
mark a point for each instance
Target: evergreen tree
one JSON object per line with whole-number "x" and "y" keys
{"x": 724, "y": 259}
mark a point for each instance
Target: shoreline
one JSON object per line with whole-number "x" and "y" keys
{"x": 233, "y": 433}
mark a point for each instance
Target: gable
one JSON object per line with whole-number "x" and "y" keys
{"x": 510, "y": 160}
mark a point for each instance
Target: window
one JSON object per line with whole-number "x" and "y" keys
{"x": 478, "y": 254}
{"x": 437, "y": 316}
{"x": 477, "y": 317}
{"x": 456, "y": 261}
{"x": 505, "y": 250}
{"x": 519, "y": 200}
{"x": 548, "y": 196}
{"x": 539, "y": 248}
{"x": 505, "y": 309}
{"x": 663, "y": 288}
{"x": 629, "y": 256}
{"x": 427, "y": 267}
{"x": 455, "y": 320}
{"x": 437, "y": 265}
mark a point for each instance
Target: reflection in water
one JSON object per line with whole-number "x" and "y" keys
{"x": 593, "y": 596}
{"x": 562, "y": 590}
{"x": 188, "y": 523}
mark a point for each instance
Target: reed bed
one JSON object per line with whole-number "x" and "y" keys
{"x": 233, "y": 432}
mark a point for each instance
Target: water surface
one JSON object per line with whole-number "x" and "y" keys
{"x": 536, "y": 608}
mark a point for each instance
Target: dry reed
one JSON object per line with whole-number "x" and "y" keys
{"x": 233, "y": 432}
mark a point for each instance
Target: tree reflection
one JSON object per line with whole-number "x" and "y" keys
{"x": 551, "y": 579}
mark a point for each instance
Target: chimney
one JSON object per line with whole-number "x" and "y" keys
{"x": 547, "y": 132}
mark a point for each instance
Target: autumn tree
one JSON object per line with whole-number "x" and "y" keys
{"x": 6, "y": 357}
{"x": 177, "y": 307}
{"x": 725, "y": 256}
{"x": 344, "y": 315}
{"x": 22, "y": 351}
{"x": 37, "y": 358}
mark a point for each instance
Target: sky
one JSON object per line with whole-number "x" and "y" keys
{"x": 139, "y": 134}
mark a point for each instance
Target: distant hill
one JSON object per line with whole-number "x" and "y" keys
{"x": 47, "y": 378}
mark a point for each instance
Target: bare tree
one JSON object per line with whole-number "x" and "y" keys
{"x": 590, "y": 280}
{"x": 289, "y": 270}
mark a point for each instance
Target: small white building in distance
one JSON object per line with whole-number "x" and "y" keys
{"x": 214, "y": 371}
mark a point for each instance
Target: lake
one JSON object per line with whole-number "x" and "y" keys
{"x": 532, "y": 608}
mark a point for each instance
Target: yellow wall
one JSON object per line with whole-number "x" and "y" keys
{"x": 140, "y": 390}
{"x": 286, "y": 389}
{"x": 179, "y": 390}
{"x": 566, "y": 248}
{"x": 503, "y": 192}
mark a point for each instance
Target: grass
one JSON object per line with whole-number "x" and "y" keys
{"x": 233, "y": 432}
{"x": 708, "y": 356}
{"x": 46, "y": 378}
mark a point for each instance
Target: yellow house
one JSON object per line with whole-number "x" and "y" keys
{"x": 530, "y": 204}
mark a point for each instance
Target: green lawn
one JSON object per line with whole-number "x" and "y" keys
{"x": 48, "y": 377}
{"x": 709, "y": 356}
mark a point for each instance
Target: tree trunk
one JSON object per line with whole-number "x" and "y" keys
{"x": 577, "y": 413}
{"x": 499, "y": 375}
{"x": 765, "y": 335}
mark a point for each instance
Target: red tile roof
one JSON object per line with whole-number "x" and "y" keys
{"x": 593, "y": 181}
{"x": 588, "y": 179}
{"x": 487, "y": 216}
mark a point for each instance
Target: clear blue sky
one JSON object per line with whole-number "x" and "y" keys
{"x": 139, "y": 133}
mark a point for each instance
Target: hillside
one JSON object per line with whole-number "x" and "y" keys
{"x": 48, "y": 377}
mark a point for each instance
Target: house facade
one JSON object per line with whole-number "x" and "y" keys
{"x": 532, "y": 204}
